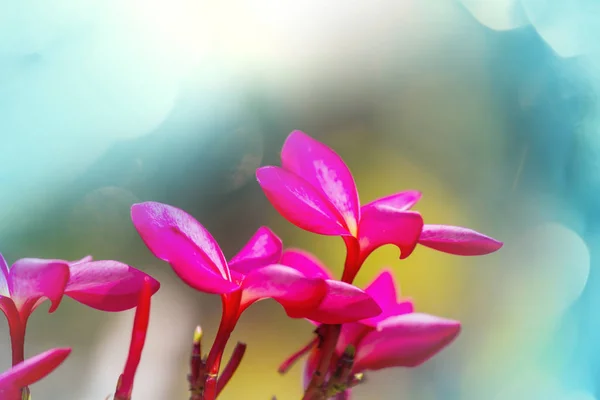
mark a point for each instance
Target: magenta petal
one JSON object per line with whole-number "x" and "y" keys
{"x": 264, "y": 248}
{"x": 458, "y": 240}
{"x": 33, "y": 279}
{"x": 107, "y": 285}
{"x": 293, "y": 290}
{"x": 176, "y": 237}
{"x": 306, "y": 263}
{"x": 402, "y": 201}
{"x": 4, "y": 287}
{"x": 31, "y": 370}
{"x": 82, "y": 260}
{"x": 343, "y": 303}
{"x": 325, "y": 171}
{"x": 310, "y": 367}
{"x": 405, "y": 341}
{"x": 300, "y": 203}
{"x": 383, "y": 290}
{"x": 381, "y": 225}
{"x": 351, "y": 334}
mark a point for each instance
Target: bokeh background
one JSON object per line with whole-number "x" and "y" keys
{"x": 489, "y": 107}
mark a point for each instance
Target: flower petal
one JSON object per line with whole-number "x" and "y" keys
{"x": 343, "y": 303}
{"x": 458, "y": 240}
{"x": 306, "y": 263}
{"x": 107, "y": 285}
{"x": 351, "y": 334}
{"x": 264, "y": 248}
{"x": 176, "y": 237}
{"x": 326, "y": 172}
{"x": 383, "y": 290}
{"x": 31, "y": 370}
{"x": 33, "y": 279}
{"x": 310, "y": 367}
{"x": 401, "y": 201}
{"x": 381, "y": 225}
{"x": 300, "y": 203}
{"x": 293, "y": 290}
{"x": 81, "y": 260}
{"x": 4, "y": 278}
{"x": 405, "y": 341}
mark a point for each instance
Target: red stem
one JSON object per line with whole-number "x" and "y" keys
{"x": 232, "y": 366}
{"x": 331, "y": 333}
{"x": 231, "y": 304}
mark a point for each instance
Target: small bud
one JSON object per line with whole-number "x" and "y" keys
{"x": 197, "y": 335}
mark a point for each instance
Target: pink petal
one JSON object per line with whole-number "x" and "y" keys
{"x": 458, "y": 240}
{"x": 264, "y": 248}
{"x": 31, "y": 370}
{"x": 351, "y": 334}
{"x": 325, "y": 171}
{"x": 300, "y": 203}
{"x": 33, "y": 279}
{"x": 383, "y": 290}
{"x": 176, "y": 237}
{"x": 82, "y": 260}
{"x": 405, "y": 341}
{"x": 306, "y": 263}
{"x": 4, "y": 288}
{"x": 402, "y": 201}
{"x": 343, "y": 303}
{"x": 293, "y": 290}
{"x": 381, "y": 225}
{"x": 107, "y": 285}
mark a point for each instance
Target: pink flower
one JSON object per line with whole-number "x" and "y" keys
{"x": 138, "y": 338}
{"x": 398, "y": 337}
{"x": 315, "y": 190}
{"x": 104, "y": 285}
{"x": 252, "y": 275}
{"x": 27, "y": 372}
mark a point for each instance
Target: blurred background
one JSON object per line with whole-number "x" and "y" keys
{"x": 489, "y": 107}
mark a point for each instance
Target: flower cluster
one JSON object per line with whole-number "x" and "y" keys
{"x": 356, "y": 330}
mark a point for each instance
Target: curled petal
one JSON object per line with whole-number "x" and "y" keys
{"x": 31, "y": 370}
{"x": 306, "y": 263}
{"x": 300, "y": 203}
{"x": 381, "y": 225}
{"x": 33, "y": 279}
{"x": 107, "y": 285}
{"x": 264, "y": 248}
{"x": 458, "y": 240}
{"x": 342, "y": 303}
{"x": 4, "y": 279}
{"x": 351, "y": 334}
{"x": 293, "y": 290}
{"x": 402, "y": 201}
{"x": 81, "y": 260}
{"x": 325, "y": 171}
{"x": 405, "y": 341}
{"x": 176, "y": 237}
{"x": 383, "y": 290}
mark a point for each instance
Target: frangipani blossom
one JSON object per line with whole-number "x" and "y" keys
{"x": 252, "y": 275}
{"x": 27, "y": 372}
{"x": 104, "y": 285}
{"x": 315, "y": 190}
{"x": 398, "y": 337}
{"x": 138, "y": 338}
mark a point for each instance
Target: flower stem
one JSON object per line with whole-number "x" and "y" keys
{"x": 232, "y": 366}
{"x": 331, "y": 334}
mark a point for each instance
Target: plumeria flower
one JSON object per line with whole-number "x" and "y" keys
{"x": 315, "y": 190}
{"x": 25, "y": 373}
{"x": 398, "y": 337}
{"x": 104, "y": 285}
{"x": 253, "y": 274}
{"x": 138, "y": 338}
